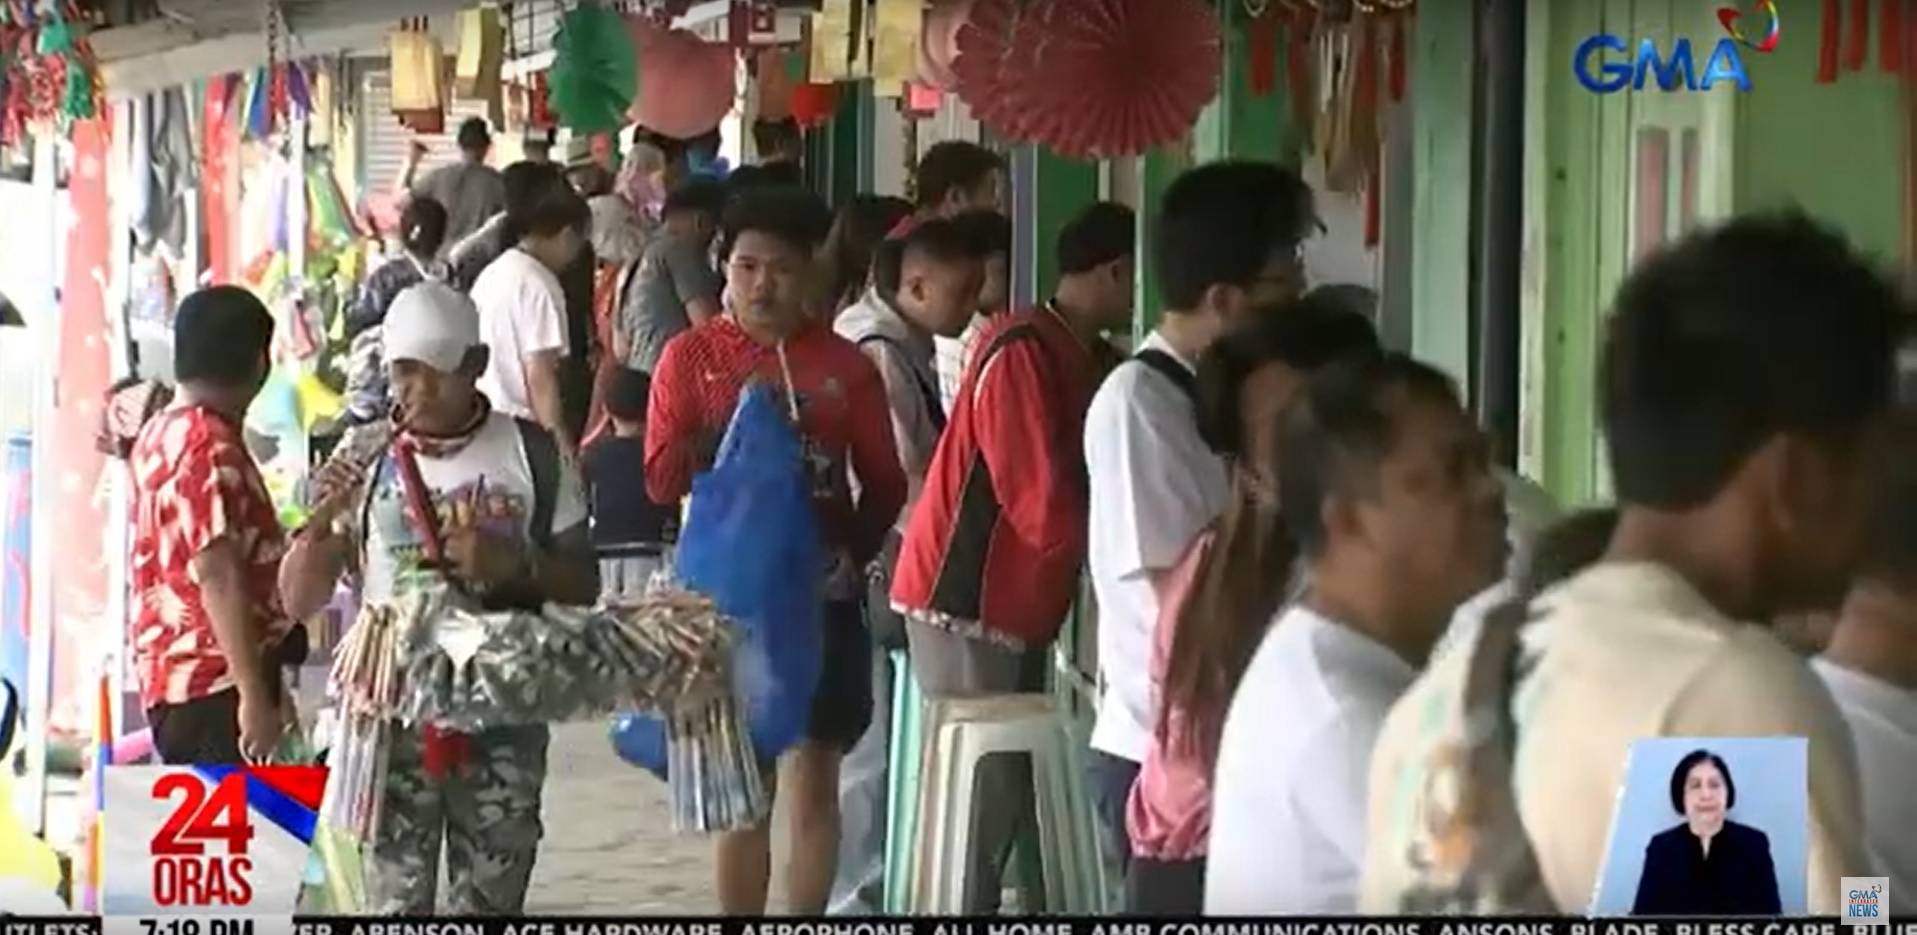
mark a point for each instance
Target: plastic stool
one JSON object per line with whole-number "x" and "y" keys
{"x": 962, "y": 733}
{"x": 902, "y": 785}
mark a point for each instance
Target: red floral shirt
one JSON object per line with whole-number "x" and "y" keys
{"x": 193, "y": 484}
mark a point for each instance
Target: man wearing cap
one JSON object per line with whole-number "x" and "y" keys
{"x": 471, "y": 190}
{"x": 206, "y": 546}
{"x": 511, "y": 515}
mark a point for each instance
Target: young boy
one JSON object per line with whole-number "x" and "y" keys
{"x": 629, "y": 531}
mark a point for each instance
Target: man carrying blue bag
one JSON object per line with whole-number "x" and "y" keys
{"x": 770, "y": 338}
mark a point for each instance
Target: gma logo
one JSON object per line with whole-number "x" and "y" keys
{"x": 1676, "y": 71}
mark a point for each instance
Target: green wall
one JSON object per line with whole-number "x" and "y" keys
{"x": 1836, "y": 150}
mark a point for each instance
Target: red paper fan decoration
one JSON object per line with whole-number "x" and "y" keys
{"x": 1119, "y": 77}
{"x": 986, "y": 44}
{"x": 938, "y": 42}
{"x": 686, "y": 85}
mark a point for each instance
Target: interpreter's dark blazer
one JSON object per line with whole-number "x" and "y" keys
{"x": 1736, "y": 878}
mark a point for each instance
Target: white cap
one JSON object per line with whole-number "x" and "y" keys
{"x": 431, "y": 323}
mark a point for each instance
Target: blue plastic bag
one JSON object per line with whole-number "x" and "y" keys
{"x": 751, "y": 542}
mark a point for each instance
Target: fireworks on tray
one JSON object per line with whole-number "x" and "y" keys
{"x": 714, "y": 775}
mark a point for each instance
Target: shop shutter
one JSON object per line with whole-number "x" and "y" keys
{"x": 384, "y": 141}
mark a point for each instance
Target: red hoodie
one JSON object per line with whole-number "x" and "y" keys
{"x": 842, "y": 415}
{"x": 996, "y": 538}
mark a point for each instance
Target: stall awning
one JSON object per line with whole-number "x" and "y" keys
{"x": 197, "y": 39}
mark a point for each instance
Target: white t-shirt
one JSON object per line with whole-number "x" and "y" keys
{"x": 1154, "y": 485}
{"x": 1288, "y": 794}
{"x": 490, "y": 474}
{"x": 1620, "y": 652}
{"x": 1883, "y": 728}
{"x": 522, "y": 312}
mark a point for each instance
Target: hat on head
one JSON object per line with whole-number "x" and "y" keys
{"x": 432, "y": 323}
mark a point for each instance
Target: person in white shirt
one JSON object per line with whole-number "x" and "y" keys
{"x": 1227, "y": 239}
{"x": 1743, "y": 385}
{"x": 1870, "y": 668}
{"x": 1385, "y": 485}
{"x": 522, "y": 307}
{"x": 924, "y": 284}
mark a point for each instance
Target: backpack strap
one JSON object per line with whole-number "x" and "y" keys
{"x": 929, "y": 392}
{"x": 1169, "y": 367}
{"x": 543, "y": 461}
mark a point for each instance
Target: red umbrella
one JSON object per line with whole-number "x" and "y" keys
{"x": 813, "y": 103}
{"x": 686, "y": 84}
{"x": 1118, "y": 77}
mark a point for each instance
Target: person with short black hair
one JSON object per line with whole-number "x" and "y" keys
{"x": 470, "y": 190}
{"x": 955, "y": 176}
{"x": 989, "y": 563}
{"x": 1227, "y": 237}
{"x": 1224, "y": 593}
{"x": 629, "y": 530}
{"x": 1384, "y": 485}
{"x": 1709, "y": 865}
{"x": 674, "y": 286}
{"x": 1870, "y": 663}
{"x": 206, "y": 547}
{"x": 524, "y": 312}
{"x": 992, "y": 231}
{"x": 778, "y": 142}
{"x": 1746, "y": 375}
{"x": 771, "y": 335}
{"x": 924, "y": 286}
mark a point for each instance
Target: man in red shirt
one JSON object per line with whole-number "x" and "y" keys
{"x": 207, "y": 546}
{"x": 990, "y": 560}
{"x": 769, "y": 336}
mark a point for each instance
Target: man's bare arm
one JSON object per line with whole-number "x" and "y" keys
{"x": 221, "y": 575}
{"x": 542, "y": 383}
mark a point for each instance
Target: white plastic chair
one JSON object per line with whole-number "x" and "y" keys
{"x": 960, "y": 734}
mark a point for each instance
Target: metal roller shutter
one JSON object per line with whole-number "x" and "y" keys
{"x": 384, "y": 141}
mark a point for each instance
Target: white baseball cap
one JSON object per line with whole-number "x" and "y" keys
{"x": 431, "y": 323}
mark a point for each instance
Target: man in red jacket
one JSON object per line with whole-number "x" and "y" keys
{"x": 767, "y": 336}
{"x": 989, "y": 565}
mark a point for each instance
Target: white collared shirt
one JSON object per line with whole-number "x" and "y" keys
{"x": 1288, "y": 794}
{"x": 1154, "y": 485}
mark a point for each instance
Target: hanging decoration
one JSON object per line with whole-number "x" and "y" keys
{"x": 1890, "y": 36}
{"x": 812, "y": 104}
{"x": 595, "y": 70}
{"x": 1114, "y": 77}
{"x": 686, "y": 85}
{"x": 417, "y": 66}
{"x": 982, "y": 66}
{"x": 48, "y": 74}
{"x": 773, "y": 83}
{"x": 1261, "y": 46}
{"x": 938, "y": 43}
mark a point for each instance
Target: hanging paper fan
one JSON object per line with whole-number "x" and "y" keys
{"x": 938, "y": 42}
{"x": 686, "y": 85}
{"x": 594, "y": 70}
{"x": 812, "y": 104}
{"x": 988, "y": 44}
{"x": 1139, "y": 72}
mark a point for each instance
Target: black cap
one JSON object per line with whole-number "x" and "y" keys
{"x": 1102, "y": 233}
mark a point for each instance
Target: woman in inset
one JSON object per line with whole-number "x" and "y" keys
{"x": 1709, "y": 865}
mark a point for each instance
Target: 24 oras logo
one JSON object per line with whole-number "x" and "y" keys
{"x": 1679, "y": 69}
{"x": 208, "y": 838}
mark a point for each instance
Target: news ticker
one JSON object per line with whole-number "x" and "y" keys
{"x": 922, "y": 925}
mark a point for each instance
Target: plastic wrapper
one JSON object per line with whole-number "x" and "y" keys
{"x": 431, "y": 660}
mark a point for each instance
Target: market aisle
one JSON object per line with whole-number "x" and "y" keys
{"x": 609, "y": 841}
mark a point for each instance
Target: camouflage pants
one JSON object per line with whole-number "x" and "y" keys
{"x": 486, "y": 811}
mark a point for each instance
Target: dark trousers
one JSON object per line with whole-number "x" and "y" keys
{"x": 204, "y": 731}
{"x": 1166, "y": 888}
{"x": 948, "y": 665}
{"x": 1111, "y": 779}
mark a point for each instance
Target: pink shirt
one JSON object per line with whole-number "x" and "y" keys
{"x": 1169, "y": 813}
